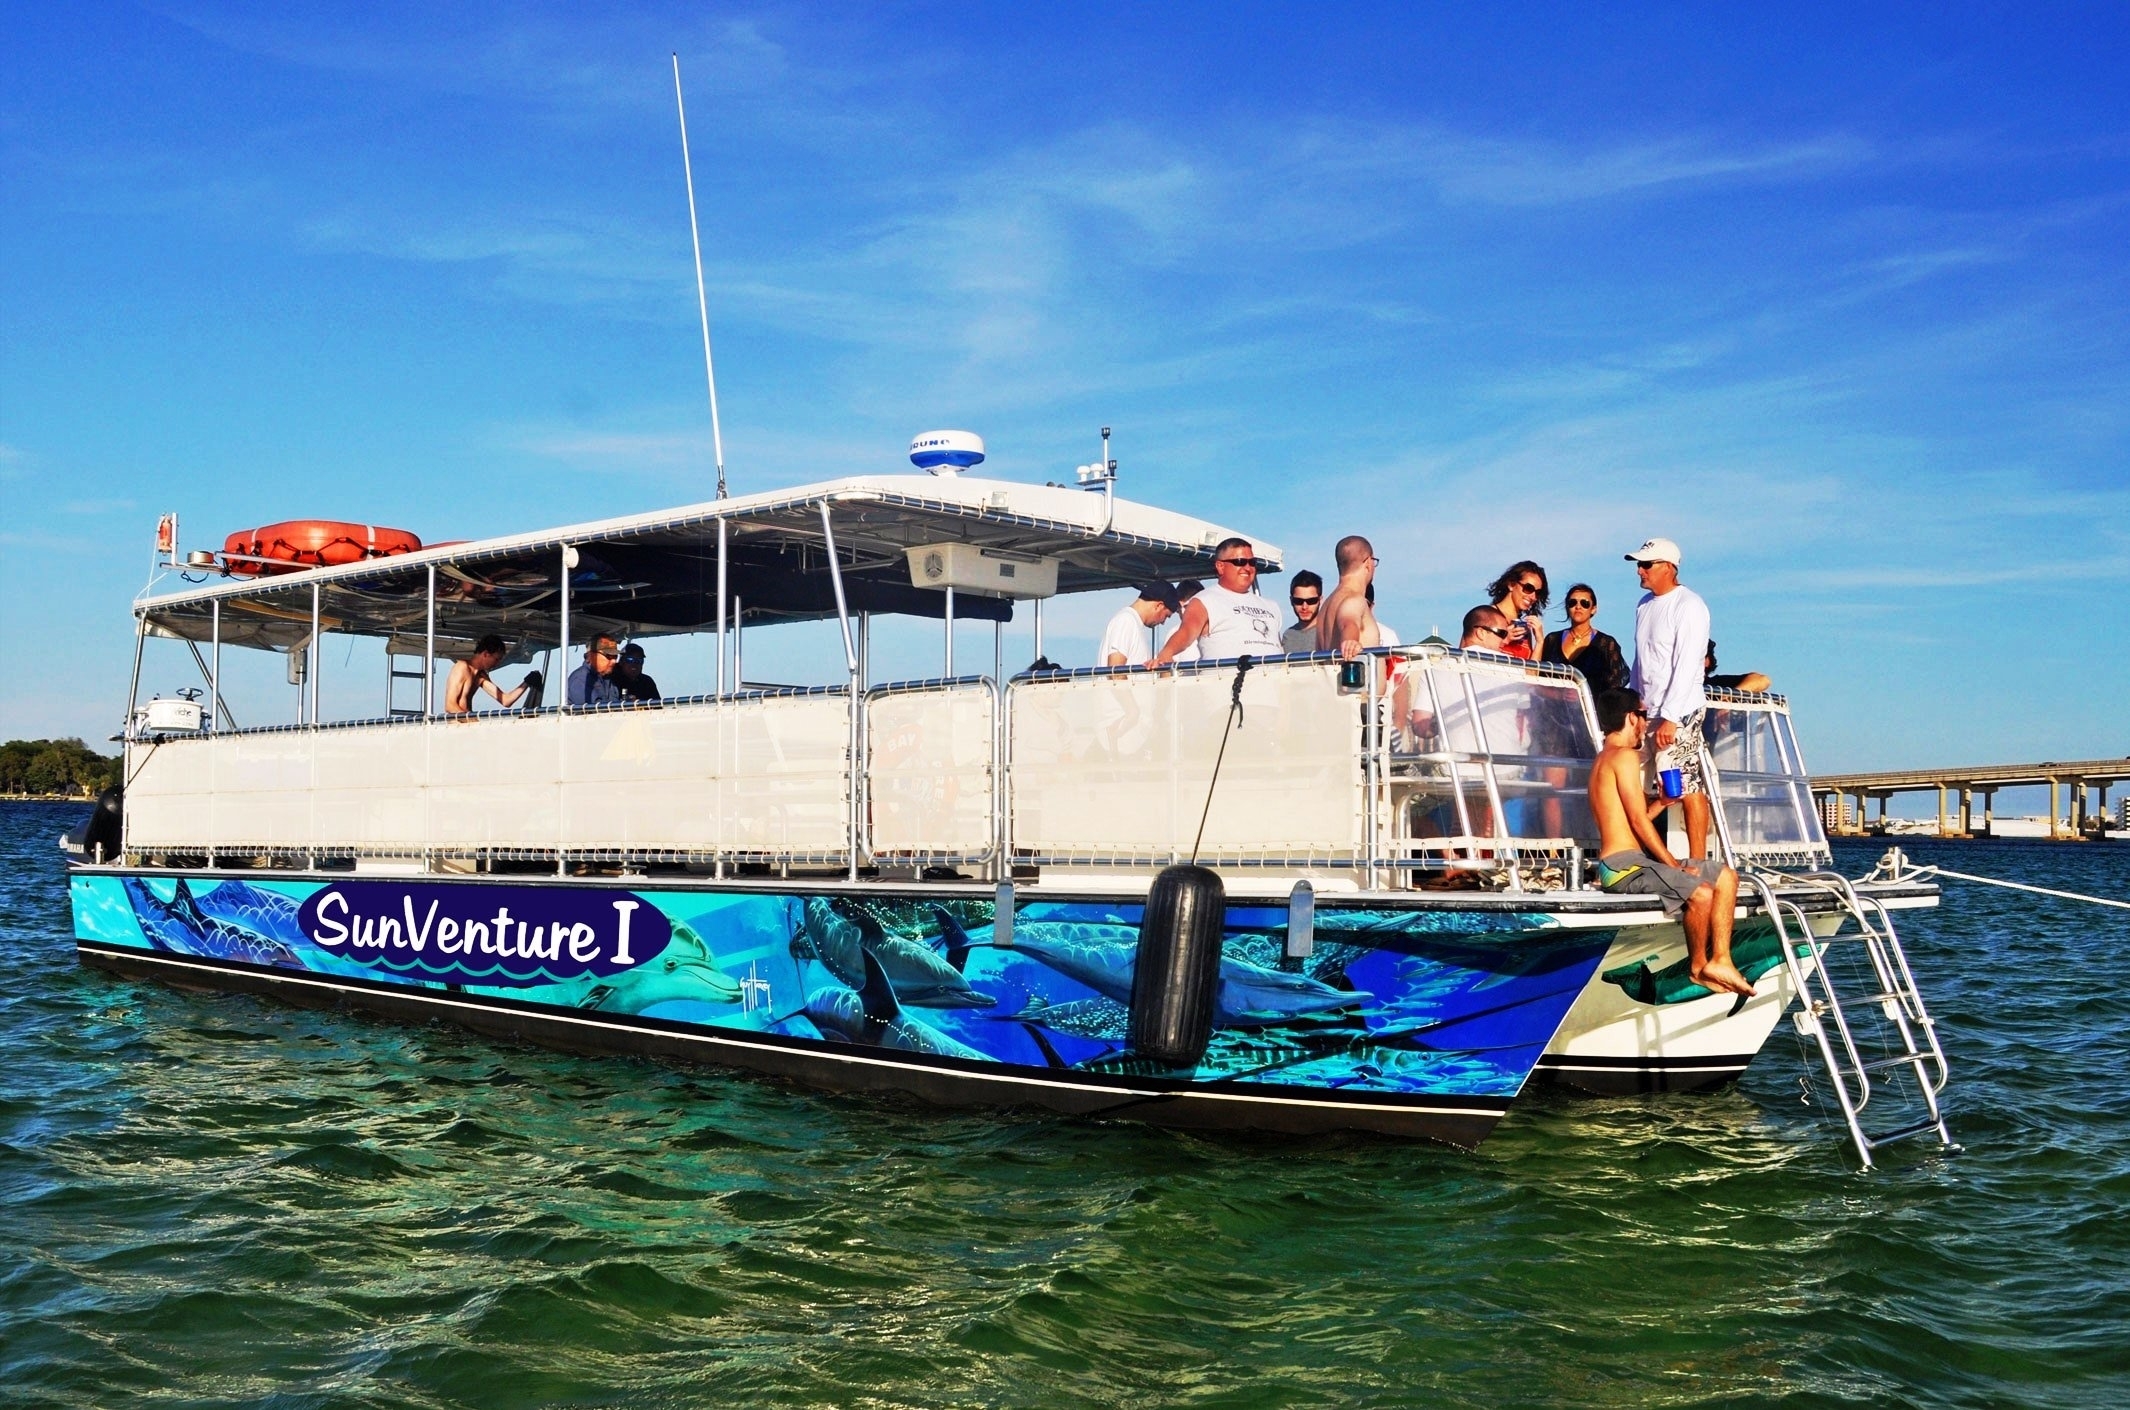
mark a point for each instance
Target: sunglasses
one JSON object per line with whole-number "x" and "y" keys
{"x": 1530, "y": 587}
{"x": 1305, "y": 601}
{"x": 1581, "y": 602}
{"x": 1645, "y": 564}
{"x": 1253, "y": 564}
{"x": 1502, "y": 632}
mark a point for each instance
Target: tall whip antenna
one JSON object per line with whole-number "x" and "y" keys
{"x": 702, "y": 301}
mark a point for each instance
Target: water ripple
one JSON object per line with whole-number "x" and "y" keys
{"x": 210, "y": 1199}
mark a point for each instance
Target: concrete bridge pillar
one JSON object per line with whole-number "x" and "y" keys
{"x": 2055, "y": 808}
{"x": 1941, "y": 810}
{"x": 1967, "y": 810}
{"x": 1989, "y": 812}
{"x": 1878, "y": 828}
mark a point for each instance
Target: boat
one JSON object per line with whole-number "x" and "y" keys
{"x": 971, "y": 887}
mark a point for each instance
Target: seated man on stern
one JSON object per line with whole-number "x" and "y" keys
{"x": 1633, "y": 860}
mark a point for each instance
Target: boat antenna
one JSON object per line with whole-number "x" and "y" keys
{"x": 702, "y": 302}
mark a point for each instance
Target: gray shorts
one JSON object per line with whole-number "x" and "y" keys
{"x": 1636, "y": 875}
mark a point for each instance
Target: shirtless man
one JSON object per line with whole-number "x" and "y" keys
{"x": 1633, "y": 859}
{"x": 471, "y": 675}
{"x": 1346, "y": 623}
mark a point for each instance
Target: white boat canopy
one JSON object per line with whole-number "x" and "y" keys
{"x": 658, "y": 573}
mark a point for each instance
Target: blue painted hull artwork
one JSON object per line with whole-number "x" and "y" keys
{"x": 1437, "y": 1002}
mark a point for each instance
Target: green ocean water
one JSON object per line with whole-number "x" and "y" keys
{"x": 217, "y": 1201}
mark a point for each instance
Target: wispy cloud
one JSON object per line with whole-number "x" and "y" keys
{"x": 98, "y": 506}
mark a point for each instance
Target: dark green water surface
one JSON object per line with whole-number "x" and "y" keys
{"x": 216, "y": 1200}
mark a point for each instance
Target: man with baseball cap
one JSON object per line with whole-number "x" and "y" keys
{"x": 1125, "y": 641}
{"x": 629, "y": 677}
{"x": 1670, "y": 640}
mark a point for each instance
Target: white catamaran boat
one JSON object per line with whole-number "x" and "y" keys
{"x": 952, "y": 885}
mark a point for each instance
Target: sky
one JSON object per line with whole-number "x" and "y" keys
{"x": 1835, "y": 299}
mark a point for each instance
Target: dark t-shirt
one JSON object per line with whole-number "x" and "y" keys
{"x": 642, "y": 688}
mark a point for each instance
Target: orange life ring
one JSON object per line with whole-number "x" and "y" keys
{"x": 311, "y": 543}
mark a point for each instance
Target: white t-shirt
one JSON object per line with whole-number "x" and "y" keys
{"x": 1670, "y": 645}
{"x": 1237, "y": 624}
{"x": 1127, "y": 635}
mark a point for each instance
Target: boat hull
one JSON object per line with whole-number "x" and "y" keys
{"x": 1403, "y": 1021}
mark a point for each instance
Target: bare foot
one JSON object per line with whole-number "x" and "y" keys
{"x": 1723, "y": 976}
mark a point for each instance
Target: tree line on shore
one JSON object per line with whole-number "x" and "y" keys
{"x": 54, "y": 766}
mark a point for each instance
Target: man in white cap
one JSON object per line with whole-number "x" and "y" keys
{"x": 1670, "y": 642}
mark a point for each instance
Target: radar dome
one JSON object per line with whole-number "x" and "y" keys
{"x": 946, "y": 452}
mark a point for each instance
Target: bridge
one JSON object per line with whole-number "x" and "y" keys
{"x": 2083, "y": 777}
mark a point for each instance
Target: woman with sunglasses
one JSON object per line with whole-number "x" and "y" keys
{"x": 1521, "y": 595}
{"x": 1586, "y": 648}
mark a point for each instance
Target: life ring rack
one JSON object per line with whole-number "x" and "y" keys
{"x": 296, "y": 544}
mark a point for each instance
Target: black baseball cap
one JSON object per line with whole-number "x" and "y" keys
{"x": 1158, "y": 590}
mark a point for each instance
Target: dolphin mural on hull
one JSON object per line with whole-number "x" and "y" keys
{"x": 1104, "y": 956}
{"x": 180, "y": 926}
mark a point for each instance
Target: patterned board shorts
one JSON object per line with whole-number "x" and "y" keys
{"x": 1685, "y": 754}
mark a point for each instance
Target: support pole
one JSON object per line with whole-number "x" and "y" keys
{"x": 721, "y": 578}
{"x": 429, "y": 648}
{"x": 562, "y": 663}
{"x": 317, "y": 655}
{"x": 1967, "y": 810}
{"x": 949, "y": 671}
{"x": 1039, "y": 630}
{"x": 1941, "y": 810}
{"x": 1989, "y": 812}
{"x": 850, "y": 659}
{"x": 214, "y": 666}
{"x": 739, "y": 627}
{"x": 2055, "y": 810}
{"x": 998, "y": 651}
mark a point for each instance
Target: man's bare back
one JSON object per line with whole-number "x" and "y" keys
{"x": 1346, "y": 623}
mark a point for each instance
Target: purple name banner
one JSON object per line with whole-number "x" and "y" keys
{"x": 495, "y": 935}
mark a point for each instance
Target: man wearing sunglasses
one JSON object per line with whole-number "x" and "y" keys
{"x": 1229, "y": 618}
{"x": 593, "y": 682}
{"x": 1304, "y": 594}
{"x": 1670, "y": 642}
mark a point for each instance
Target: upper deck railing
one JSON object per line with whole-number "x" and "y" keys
{"x": 1405, "y": 764}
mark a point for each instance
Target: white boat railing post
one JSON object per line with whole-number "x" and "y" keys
{"x": 739, "y": 626}
{"x": 850, "y": 662}
{"x": 1039, "y": 630}
{"x": 214, "y": 663}
{"x": 429, "y": 647}
{"x": 568, "y": 557}
{"x": 721, "y": 541}
{"x": 317, "y": 659}
{"x": 948, "y": 672}
{"x": 133, "y": 705}
{"x": 1371, "y": 734}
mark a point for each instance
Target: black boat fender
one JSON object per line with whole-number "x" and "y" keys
{"x": 1176, "y": 982}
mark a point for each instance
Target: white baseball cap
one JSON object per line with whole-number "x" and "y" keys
{"x": 1656, "y": 551}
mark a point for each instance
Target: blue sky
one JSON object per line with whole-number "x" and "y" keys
{"x": 1837, "y": 302}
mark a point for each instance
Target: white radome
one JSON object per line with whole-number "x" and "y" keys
{"x": 946, "y": 452}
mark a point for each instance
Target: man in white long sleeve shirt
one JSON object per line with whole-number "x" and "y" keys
{"x": 1670, "y": 642}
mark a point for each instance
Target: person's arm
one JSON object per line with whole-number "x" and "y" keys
{"x": 1352, "y": 619}
{"x": 505, "y": 699}
{"x": 1615, "y": 664}
{"x": 1194, "y": 627}
{"x": 1640, "y": 815}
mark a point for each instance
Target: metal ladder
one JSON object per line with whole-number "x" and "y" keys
{"x": 1905, "y": 1038}
{"x": 394, "y": 674}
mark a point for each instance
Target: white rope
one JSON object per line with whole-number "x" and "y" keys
{"x": 2021, "y": 886}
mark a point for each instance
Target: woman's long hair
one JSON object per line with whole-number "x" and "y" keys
{"x": 1499, "y": 588}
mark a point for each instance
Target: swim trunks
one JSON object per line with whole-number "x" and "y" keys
{"x": 1685, "y": 754}
{"x": 1633, "y": 874}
